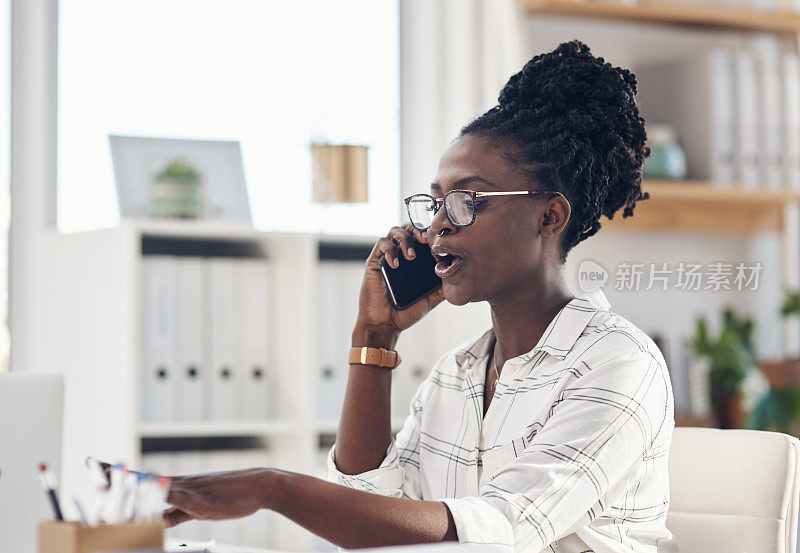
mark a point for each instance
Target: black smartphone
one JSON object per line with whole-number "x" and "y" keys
{"x": 412, "y": 280}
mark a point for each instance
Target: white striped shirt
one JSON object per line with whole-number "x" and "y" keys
{"x": 571, "y": 455}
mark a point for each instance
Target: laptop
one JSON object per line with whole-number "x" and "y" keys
{"x": 31, "y": 409}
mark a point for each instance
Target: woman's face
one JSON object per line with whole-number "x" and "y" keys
{"x": 512, "y": 239}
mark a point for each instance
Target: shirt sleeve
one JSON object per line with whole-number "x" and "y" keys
{"x": 602, "y": 430}
{"x": 398, "y": 473}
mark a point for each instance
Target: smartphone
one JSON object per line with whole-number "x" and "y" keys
{"x": 411, "y": 280}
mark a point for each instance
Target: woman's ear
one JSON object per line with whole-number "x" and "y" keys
{"x": 555, "y": 217}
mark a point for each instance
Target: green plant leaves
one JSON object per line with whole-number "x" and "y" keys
{"x": 776, "y": 410}
{"x": 731, "y": 354}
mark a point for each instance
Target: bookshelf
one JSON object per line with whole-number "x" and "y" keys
{"x": 90, "y": 314}
{"x": 634, "y": 32}
{"x": 704, "y": 15}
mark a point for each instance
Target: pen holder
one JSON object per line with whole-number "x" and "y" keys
{"x": 74, "y": 537}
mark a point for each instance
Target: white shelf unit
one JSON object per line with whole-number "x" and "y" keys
{"x": 88, "y": 315}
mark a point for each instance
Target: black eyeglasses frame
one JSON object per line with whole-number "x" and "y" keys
{"x": 439, "y": 202}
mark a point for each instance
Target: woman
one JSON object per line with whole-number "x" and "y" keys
{"x": 551, "y": 430}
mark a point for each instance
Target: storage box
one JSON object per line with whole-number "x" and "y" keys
{"x": 74, "y": 537}
{"x": 340, "y": 173}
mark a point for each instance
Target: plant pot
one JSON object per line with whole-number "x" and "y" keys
{"x": 176, "y": 199}
{"x": 727, "y": 408}
{"x": 781, "y": 374}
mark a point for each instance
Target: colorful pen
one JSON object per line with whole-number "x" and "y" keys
{"x": 49, "y": 485}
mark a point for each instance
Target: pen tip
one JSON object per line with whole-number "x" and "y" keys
{"x": 42, "y": 467}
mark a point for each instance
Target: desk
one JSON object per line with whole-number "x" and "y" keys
{"x": 446, "y": 547}
{"x": 212, "y": 547}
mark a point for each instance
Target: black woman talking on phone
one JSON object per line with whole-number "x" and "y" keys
{"x": 551, "y": 430}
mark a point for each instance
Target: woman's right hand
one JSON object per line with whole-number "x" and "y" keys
{"x": 376, "y": 314}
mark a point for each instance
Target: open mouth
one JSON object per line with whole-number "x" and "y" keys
{"x": 447, "y": 265}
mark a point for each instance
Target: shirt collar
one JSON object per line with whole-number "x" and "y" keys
{"x": 559, "y": 336}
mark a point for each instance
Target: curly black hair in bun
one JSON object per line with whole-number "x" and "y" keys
{"x": 572, "y": 124}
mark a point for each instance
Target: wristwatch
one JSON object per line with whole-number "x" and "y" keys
{"x": 380, "y": 357}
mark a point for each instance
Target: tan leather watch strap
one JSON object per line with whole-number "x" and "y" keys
{"x": 380, "y": 357}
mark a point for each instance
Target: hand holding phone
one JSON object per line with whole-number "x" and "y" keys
{"x": 413, "y": 279}
{"x": 409, "y": 283}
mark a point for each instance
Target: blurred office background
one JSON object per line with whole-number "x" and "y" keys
{"x": 193, "y": 342}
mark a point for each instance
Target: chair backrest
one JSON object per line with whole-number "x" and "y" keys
{"x": 734, "y": 491}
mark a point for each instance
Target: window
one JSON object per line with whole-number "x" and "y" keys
{"x": 5, "y": 174}
{"x": 275, "y": 75}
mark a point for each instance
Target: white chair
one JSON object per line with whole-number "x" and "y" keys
{"x": 734, "y": 491}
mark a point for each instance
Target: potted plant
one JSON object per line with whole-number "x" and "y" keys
{"x": 731, "y": 357}
{"x": 176, "y": 191}
{"x": 779, "y": 408}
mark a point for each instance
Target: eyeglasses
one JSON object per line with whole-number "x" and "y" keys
{"x": 460, "y": 206}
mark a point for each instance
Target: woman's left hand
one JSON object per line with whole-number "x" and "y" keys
{"x": 216, "y": 496}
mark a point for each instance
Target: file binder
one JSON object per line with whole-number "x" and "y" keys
{"x": 747, "y": 154}
{"x": 158, "y": 369}
{"x": 769, "y": 115}
{"x": 790, "y": 84}
{"x": 222, "y": 340}
{"x": 332, "y": 362}
{"x": 191, "y": 371}
{"x": 352, "y": 275}
{"x": 254, "y": 305}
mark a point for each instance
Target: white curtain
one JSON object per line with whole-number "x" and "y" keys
{"x": 456, "y": 55}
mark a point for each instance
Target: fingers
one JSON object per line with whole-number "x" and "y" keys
{"x": 174, "y": 516}
{"x": 419, "y": 235}
{"x": 399, "y": 239}
{"x": 383, "y": 247}
{"x": 404, "y": 240}
{"x": 176, "y": 495}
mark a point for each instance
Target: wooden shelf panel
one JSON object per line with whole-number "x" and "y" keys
{"x": 725, "y": 17}
{"x": 695, "y": 206}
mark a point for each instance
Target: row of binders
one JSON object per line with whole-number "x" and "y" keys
{"x": 206, "y": 352}
{"x": 736, "y": 113}
{"x": 206, "y": 331}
